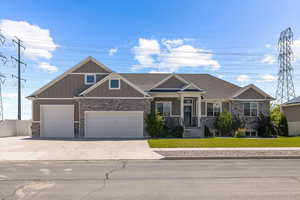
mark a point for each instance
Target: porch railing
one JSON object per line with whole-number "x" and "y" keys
{"x": 174, "y": 121}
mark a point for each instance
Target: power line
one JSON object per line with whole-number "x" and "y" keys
{"x": 18, "y": 60}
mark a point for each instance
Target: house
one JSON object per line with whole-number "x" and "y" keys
{"x": 291, "y": 109}
{"x": 91, "y": 101}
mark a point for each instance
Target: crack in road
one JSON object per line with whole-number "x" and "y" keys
{"x": 106, "y": 179}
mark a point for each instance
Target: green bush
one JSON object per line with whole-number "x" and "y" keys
{"x": 240, "y": 133}
{"x": 223, "y": 124}
{"x": 279, "y": 120}
{"x": 265, "y": 126}
{"x": 177, "y": 131}
{"x": 155, "y": 125}
{"x": 237, "y": 123}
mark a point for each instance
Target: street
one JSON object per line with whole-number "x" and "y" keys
{"x": 157, "y": 179}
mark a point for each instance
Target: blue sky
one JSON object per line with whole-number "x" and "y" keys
{"x": 234, "y": 40}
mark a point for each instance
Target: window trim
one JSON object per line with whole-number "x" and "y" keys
{"x": 163, "y": 102}
{"x": 111, "y": 79}
{"x": 220, "y": 103}
{"x": 89, "y": 83}
{"x": 250, "y": 109}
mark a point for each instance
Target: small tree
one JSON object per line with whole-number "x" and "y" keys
{"x": 223, "y": 123}
{"x": 279, "y": 120}
{"x": 154, "y": 124}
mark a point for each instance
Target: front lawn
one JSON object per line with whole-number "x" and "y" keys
{"x": 225, "y": 142}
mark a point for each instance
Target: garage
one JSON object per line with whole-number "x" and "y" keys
{"x": 114, "y": 124}
{"x": 57, "y": 120}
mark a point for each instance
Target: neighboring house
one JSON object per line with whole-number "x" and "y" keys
{"x": 91, "y": 101}
{"x": 291, "y": 109}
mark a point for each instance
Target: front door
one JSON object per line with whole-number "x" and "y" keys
{"x": 188, "y": 115}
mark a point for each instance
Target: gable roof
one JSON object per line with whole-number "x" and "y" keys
{"x": 75, "y": 67}
{"x": 168, "y": 78}
{"x": 112, "y": 75}
{"x": 251, "y": 86}
{"x": 191, "y": 87}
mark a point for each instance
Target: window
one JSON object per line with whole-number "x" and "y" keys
{"x": 114, "y": 84}
{"x": 90, "y": 79}
{"x": 250, "y": 109}
{"x": 163, "y": 108}
{"x": 251, "y": 133}
{"x": 213, "y": 109}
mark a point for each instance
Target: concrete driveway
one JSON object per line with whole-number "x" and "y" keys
{"x": 26, "y": 148}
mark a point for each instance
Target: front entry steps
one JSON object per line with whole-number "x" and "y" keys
{"x": 193, "y": 132}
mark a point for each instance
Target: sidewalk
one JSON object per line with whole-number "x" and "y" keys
{"x": 228, "y": 153}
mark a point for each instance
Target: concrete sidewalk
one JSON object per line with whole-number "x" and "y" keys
{"x": 228, "y": 153}
{"x": 26, "y": 148}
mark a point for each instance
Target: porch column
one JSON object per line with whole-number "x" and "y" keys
{"x": 199, "y": 110}
{"x": 181, "y": 108}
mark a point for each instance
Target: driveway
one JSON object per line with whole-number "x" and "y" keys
{"x": 26, "y": 148}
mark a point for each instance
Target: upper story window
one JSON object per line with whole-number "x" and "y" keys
{"x": 114, "y": 84}
{"x": 213, "y": 109}
{"x": 163, "y": 108}
{"x": 90, "y": 79}
{"x": 250, "y": 109}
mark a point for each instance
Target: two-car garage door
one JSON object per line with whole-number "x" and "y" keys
{"x": 114, "y": 124}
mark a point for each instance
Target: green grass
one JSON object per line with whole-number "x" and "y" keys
{"x": 225, "y": 142}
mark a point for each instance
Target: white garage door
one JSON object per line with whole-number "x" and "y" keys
{"x": 114, "y": 124}
{"x": 57, "y": 120}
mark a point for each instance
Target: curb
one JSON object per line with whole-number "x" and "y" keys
{"x": 226, "y": 157}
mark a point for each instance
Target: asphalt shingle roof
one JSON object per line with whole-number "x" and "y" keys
{"x": 295, "y": 100}
{"x": 215, "y": 88}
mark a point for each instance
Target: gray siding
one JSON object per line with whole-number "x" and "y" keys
{"x": 292, "y": 113}
{"x": 68, "y": 87}
{"x": 173, "y": 82}
{"x": 91, "y": 67}
{"x": 225, "y": 106}
{"x": 124, "y": 91}
{"x": 37, "y": 103}
{"x": 250, "y": 94}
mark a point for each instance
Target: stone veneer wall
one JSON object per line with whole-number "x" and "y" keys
{"x": 111, "y": 105}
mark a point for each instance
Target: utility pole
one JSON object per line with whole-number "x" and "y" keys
{"x": 285, "y": 86}
{"x": 18, "y": 60}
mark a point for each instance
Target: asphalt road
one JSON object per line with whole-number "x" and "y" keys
{"x": 160, "y": 179}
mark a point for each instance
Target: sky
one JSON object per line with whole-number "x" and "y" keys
{"x": 233, "y": 40}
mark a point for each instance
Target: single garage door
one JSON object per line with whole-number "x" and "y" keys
{"x": 114, "y": 124}
{"x": 57, "y": 120}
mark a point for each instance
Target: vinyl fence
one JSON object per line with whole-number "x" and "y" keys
{"x": 15, "y": 128}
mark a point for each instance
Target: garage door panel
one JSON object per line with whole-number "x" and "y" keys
{"x": 57, "y": 120}
{"x": 114, "y": 124}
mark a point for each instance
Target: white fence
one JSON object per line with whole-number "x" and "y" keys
{"x": 15, "y": 128}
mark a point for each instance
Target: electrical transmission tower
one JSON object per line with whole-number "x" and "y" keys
{"x": 2, "y": 77}
{"x": 285, "y": 86}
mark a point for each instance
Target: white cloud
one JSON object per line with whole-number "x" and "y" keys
{"x": 268, "y": 59}
{"x": 112, "y": 51}
{"x": 10, "y": 95}
{"x": 38, "y": 41}
{"x": 157, "y": 72}
{"x": 243, "y": 78}
{"x": 172, "y": 56}
{"x": 266, "y": 78}
{"x": 144, "y": 51}
{"x": 47, "y": 67}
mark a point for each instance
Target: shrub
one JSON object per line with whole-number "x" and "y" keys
{"x": 154, "y": 125}
{"x": 207, "y": 132}
{"x": 265, "y": 126}
{"x": 240, "y": 133}
{"x": 279, "y": 120}
{"x": 177, "y": 131}
{"x": 223, "y": 123}
{"x": 237, "y": 123}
